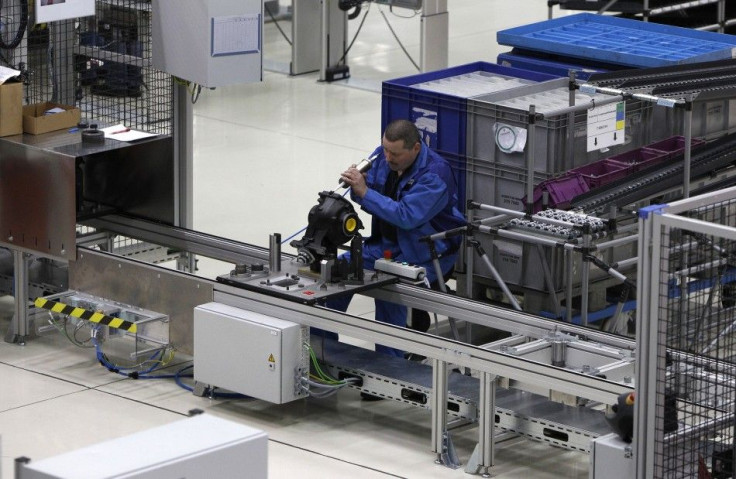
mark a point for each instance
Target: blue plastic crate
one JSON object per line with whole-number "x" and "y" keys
{"x": 620, "y": 41}
{"x": 552, "y": 67}
{"x": 441, "y": 114}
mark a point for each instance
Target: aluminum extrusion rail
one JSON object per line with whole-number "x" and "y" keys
{"x": 442, "y": 349}
{"x": 712, "y": 157}
{"x": 495, "y": 317}
{"x": 433, "y": 301}
{"x": 186, "y": 240}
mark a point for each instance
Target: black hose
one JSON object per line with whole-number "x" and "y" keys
{"x": 21, "y": 28}
{"x": 354, "y": 14}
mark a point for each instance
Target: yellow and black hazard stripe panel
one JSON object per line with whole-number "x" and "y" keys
{"x": 82, "y": 313}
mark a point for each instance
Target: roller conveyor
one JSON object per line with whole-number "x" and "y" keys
{"x": 527, "y": 414}
{"x": 712, "y": 157}
{"x": 663, "y": 76}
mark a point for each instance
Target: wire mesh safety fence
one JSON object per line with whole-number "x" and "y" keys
{"x": 691, "y": 343}
{"x": 100, "y": 63}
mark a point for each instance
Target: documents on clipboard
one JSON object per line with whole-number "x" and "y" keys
{"x": 123, "y": 133}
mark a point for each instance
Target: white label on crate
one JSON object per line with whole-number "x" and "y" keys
{"x": 509, "y": 139}
{"x": 606, "y": 126}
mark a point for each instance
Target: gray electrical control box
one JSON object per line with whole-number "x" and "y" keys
{"x": 611, "y": 458}
{"x": 250, "y": 353}
{"x": 210, "y": 42}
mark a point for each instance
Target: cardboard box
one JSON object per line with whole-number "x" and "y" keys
{"x": 35, "y": 122}
{"x": 11, "y": 108}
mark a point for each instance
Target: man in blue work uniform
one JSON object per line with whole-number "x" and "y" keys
{"x": 410, "y": 192}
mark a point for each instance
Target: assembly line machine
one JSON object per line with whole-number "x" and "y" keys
{"x": 533, "y": 345}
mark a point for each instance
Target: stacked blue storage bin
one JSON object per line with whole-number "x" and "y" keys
{"x": 619, "y": 41}
{"x": 437, "y": 103}
{"x": 552, "y": 64}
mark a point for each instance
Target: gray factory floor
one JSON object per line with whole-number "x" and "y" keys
{"x": 262, "y": 153}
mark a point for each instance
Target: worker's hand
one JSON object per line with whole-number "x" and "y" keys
{"x": 356, "y": 180}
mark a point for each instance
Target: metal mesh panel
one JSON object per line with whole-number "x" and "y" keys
{"x": 101, "y": 63}
{"x": 696, "y": 370}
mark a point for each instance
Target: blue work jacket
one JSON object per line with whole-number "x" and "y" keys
{"x": 426, "y": 204}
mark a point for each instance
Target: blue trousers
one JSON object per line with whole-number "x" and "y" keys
{"x": 386, "y": 312}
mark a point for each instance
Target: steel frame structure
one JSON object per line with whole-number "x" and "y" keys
{"x": 655, "y": 225}
{"x": 490, "y": 364}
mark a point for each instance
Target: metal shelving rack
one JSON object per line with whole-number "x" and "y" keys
{"x": 650, "y": 9}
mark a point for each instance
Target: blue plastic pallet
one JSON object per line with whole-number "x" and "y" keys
{"x": 402, "y": 99}
{"x": 620, "y": 41}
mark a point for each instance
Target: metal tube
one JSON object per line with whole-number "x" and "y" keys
{"x": 469, "y": 285}
{"x": 580, "y": 107}
{"x": 699, "y": 268}
{"x": 569, "y": 159}
{"x": 584, "y": 279}
{"x": 20, "y": 284}
{"x": 521, "y": 214}
{"x": 501, "y": 282}
{"x": 688, "y": 140}
{"x": 439, "y": 407}
{"x": 494, "y": 219}
{"x": 559, "y": 353}
{"x": 568, "y": 291}
{"x": 324, "y": 41}
{"x": 691, "y": 432}
{"x": 626, "y": 264}
{"x": 605, "y": 7}
{"x": 274, "y": 252}
{"x": 443, "y": 288}
{"x": 530, "y": 152}
{"x": 548, "y": 279}
{"x": 617, "y": 242}
{"x": 486, "y": 421}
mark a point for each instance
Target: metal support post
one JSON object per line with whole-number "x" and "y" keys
{"x": 434, "y": 35}
{"x": 569, "y": 262}
{"x": 441, "y": 442}
{"x": 483, "y": 455}
{"x": 584, "y": 280}
{"x": 184, "y": 168}
{"x": 305, "y": 36}
{"x": 334, "y": 26}
{"x": 569, "y": 159}
{"x": 469, "y": 285}
{"x": 19, "y": 326}
{"x": 549, "y": 281}
{"x": 531, "y": 137}
{"x": 722, "y": 16}
{"x": 688, "y": 127}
